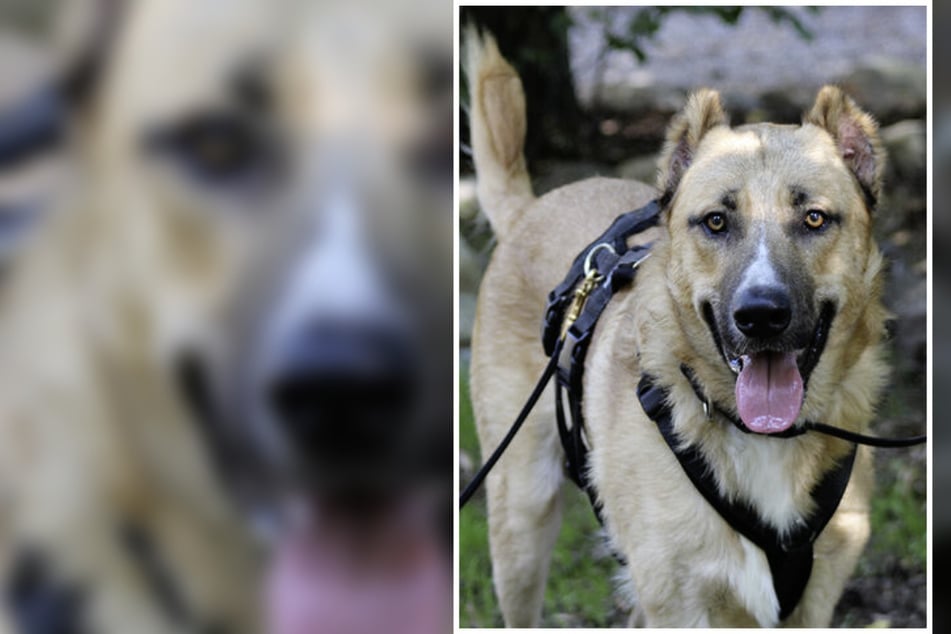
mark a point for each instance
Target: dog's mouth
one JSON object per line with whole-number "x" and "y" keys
{"x": 341, "y": 549}
{"x": 771, "y": 382}
{"x": 377, "y": 570}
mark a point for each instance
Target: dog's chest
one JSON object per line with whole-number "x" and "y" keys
{"x": 761, "y": 471}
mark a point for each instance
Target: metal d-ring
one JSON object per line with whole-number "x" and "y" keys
{"x": 589, "y": 259}
{"x": 639, "y": 260}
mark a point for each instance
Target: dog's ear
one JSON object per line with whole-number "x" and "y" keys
{"x": 855, "y": 133}
{"x": 36, "y": 124}
{"x": 703, "y": 112}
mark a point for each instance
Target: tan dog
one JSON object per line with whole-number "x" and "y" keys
{"x": 233, "y": 346}
{"x": 764, "y": 229}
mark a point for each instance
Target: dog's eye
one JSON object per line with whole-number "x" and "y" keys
{"x": 715, "y": 222}
{"x": 215, "y": 148}
{"x": 815, "y": 219}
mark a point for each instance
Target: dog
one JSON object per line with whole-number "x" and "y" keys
{"x": 763, "y": 248}
{"x": 225, "y": 402}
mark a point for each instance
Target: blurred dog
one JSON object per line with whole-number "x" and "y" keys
{"x": 764, "y": 248}
{"x": 225, "y": 392}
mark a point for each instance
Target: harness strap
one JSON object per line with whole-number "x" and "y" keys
{"x": 789, "y": 557}
{"x": 576, "y": 453}
{"x": 623, "y": 227}
{"x": 621, "y": 271}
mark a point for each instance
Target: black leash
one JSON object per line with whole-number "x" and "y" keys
{"x": 476, "y": 481}
{"x": 862, "y": 439}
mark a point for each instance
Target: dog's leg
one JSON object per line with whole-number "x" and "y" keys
{"x": 523, "y": 491}
{"x": 524, "y": 504}
{"x": 524, "y": 518}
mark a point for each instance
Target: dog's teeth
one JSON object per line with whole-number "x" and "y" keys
{"x": 736, "y": 365}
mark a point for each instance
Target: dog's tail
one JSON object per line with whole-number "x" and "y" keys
{"x": 497, "y": 130}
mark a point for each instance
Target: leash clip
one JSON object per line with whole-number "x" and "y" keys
{"x": 592, "y": 277}
{"x": 590, "y": 282}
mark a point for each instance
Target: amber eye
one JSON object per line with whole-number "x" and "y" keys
{"x": 214, "y": 147}
{"x": 716, "y": 222}
{"x": 815, "y": 219}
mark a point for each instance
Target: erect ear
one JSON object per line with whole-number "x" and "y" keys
{"x": 703, "y": 112}
{"x": 855, "y": 133}
{"x": 37, "y": 123}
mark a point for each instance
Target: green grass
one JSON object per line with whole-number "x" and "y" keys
{"x": 580, "y": 587}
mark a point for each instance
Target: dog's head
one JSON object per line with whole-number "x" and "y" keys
{"x": 770, "y": 241}
{"x": 272, "y": 182}
{"x": 259, "y": 247}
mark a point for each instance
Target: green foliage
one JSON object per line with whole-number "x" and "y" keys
{"x": 643, "y": 25}
{"x": 899, "y": 519}
{"x": 477, "y": 607}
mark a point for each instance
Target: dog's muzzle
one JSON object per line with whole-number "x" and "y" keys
{"x": 342, "y": 390}
{"x": 774, "y": 365}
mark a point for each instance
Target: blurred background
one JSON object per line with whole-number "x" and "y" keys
{"x": 333, "y": 374}
{"x": 601, "y": 85}
{"x": 941, "y": 308}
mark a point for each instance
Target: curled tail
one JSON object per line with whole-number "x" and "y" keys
{"x": 497, "y": 127}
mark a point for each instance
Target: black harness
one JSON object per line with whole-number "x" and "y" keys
{"x": 574, "y": 308}
{"x": 606, "y": 266}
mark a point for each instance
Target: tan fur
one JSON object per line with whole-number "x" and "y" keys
{"x": 94, "y": 430}
{"x": 702, "y": 113}
{"x": 688, "y": 567}
{"x": 497, "y": 134}
{"x": 855, "y": 133}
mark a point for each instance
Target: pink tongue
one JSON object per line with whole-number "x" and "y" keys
{"x": 312, "y": 589}
{"x": 769, "y": 391}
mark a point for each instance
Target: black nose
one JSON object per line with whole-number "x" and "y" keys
{"x": 763, "y": 311}
{"x": 343, "y": 389}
